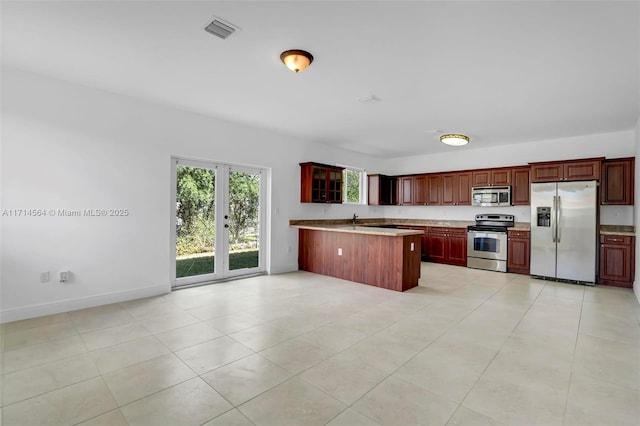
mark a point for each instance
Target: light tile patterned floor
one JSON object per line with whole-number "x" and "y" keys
{"x": 466, "y": 347}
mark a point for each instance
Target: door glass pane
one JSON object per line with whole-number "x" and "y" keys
{"x": 195, "y": 221}
{"x": 244, "y": 214}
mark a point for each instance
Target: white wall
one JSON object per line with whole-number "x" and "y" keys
{"x": 66, "y": 146}
{"x": 611, "y": 145}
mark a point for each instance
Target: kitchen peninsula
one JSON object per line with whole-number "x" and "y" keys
{"x": 374, "y": 255}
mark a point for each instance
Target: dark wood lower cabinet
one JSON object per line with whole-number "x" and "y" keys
{"x": 617, "y": 260}
{"x": 518, "y": 252}
{"x": 391, "y": 262}
{"x": 447, "y": 245}
{"x": 424, "y": 238}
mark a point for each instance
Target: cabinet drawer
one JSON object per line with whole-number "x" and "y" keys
{"x": 458, "y": 231}
{"x": 449, "y": 231}
{"x": 616, "y": 239}
{"x": 518, "y": 234}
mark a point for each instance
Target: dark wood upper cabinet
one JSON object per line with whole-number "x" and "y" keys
{"x": 617, "y": 181}
{"x": 521, "y": 188}
{"x": 420, "y": 190}
{"x": 405, "y": 190}
{"x": 583, "y": 170}
{"x": 555, "y": 171}
{"x": 320, "y": 183}
{"x": 481, "y": 177}
{"x": 434, "y": 190}
{"x": 382, "y": 190}
{"x": 492, "y": 177}
{"x": 501, "y": 177}
{"x": 548, "y": 172}
{"x": 464, "y": 188}
{"x": 412, "y": 190}
{"x": 449, "y": 189}
{"x": 455, "y": 189}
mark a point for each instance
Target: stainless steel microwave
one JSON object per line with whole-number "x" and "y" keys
{"x": 490, "y": 196}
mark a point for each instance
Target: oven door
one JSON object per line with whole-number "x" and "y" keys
{"x": 487, "y": 245}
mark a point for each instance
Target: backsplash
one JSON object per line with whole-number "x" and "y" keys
{"x": 521, "y": 213}
{"x": 616, "y": 215}
{"x": 609, "y": 215}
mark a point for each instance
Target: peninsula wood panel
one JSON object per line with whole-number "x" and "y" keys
{"x": 377, "y": 260}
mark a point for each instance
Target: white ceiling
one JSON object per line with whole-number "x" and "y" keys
{"x": 501, "y": 72}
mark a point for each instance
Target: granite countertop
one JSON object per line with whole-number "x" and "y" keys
{"x": 375, "y": 226}
{"x": 359, "y": 229}
{"x": 617, "y": 230}
{"x": 367, "y": 222}
{"x": 521, "y": 226}
{"x": 383, "y": 222}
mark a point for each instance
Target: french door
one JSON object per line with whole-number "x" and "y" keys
{"x": 218, "y": 225}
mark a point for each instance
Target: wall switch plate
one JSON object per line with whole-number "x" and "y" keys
{"x": 339, "y": 252}
{"x": 412, "y": 246}
{"x": 64, "y": 276}
{"x": 44, "y": 277}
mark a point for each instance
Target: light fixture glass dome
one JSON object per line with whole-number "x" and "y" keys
{"x": 454, "y": 139}
{"x": 296, "y": 60}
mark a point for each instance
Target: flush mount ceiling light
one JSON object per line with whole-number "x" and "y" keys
{"x": 454, "y": 139}
{"x": 296, "y": 60}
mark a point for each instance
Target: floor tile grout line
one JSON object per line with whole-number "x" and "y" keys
{"x": 573, "y": 355}
{"x": 496, "y": 354}
{"x": 299, "y": 374}
{"x": 420, "y": 351}
{"x": 53, "y": 390}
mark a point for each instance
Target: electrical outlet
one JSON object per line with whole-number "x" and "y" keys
{"x": 44, "y": 277}
{"x": 64, "y": 276}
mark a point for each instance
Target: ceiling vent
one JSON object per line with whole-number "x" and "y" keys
{"x": 220, "y": 29}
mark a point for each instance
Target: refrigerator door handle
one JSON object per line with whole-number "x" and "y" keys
{"x": 553, "y": 220}
{"x": 558, "y": 218}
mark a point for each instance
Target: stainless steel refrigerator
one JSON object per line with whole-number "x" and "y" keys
{"x": 563, "y": 230}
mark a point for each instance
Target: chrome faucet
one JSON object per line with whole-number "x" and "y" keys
{"x": 355, "y": 217}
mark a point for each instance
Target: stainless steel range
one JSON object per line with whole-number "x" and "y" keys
{"x": 487, "y": 242}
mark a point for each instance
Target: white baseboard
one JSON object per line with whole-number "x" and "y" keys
{"x": 283, "y": 270}
{"x": 33, "y": 311}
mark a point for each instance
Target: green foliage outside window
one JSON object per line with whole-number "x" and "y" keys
{"x": 352, "y": 185}
{"x": 195, "y": 210}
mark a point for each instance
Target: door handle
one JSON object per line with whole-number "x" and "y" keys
{"x": 226, "y": 225}
{"x": 559, "y": 217}
{"x": 553, "y": 220}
